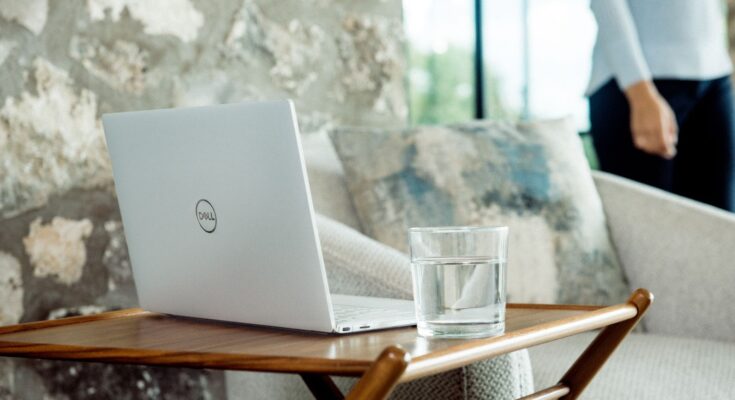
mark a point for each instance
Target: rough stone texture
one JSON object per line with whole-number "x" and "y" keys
{"x": 341, "y": 63}
{"x": 31, "y": 14}
{"x": 6, "y": 47}
{"x": 122, "y": 66}
{"x": 57, "y": 249}
{"x": 105, "y": 381}
{"x": 161, "y": 17}
{"x": 371, "y": 58}
{"x": 11, "y": 290}
{"x": 51, "y": 154}
{"x": 297, "y": 46}
{"x": 85, "y": 213}
{"x": 115, "y": 258}
{"x": 65, "y": 63}
{"x": 7, "y": 385}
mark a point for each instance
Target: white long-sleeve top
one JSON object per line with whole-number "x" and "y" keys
{"x": 644, "y": 39}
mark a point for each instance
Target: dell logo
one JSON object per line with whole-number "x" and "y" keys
{"x": 206, "y": 216}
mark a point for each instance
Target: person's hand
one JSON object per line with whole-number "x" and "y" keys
{"x": 651, "y": 120}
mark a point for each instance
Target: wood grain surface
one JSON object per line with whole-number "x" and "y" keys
{"x": 138, "y": 337}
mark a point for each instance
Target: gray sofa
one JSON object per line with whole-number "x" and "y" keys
{"x": 682, "y": 251}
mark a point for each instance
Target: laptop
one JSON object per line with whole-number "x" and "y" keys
{"x": 219, "y": 221}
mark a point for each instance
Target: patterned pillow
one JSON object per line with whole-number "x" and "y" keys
{"x": 532, "y": 177}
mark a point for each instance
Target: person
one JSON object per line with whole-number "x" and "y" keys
{"x": 660, "y": 96}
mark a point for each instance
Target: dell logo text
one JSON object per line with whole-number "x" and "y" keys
{"x": 206, "y": 216}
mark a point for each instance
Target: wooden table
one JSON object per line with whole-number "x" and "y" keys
{"x": 382, "y": 359}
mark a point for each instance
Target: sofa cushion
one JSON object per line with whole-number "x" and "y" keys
{"x": 532, "y": 177}
{"x": 358, "y": 265}
{"x": 646, "y": 366}
{"x": 327, "y": 180}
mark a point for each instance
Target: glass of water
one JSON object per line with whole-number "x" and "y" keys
{"x": 459, "y": 280}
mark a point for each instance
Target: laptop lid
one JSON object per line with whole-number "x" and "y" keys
{"x": 217, "y": 214}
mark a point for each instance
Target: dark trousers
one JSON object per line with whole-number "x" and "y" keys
{"x": 703, "y": 168}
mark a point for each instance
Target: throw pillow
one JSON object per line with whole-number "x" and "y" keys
{"x": 532, "y": 177}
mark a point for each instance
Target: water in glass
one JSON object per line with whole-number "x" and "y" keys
{"x": 459, "y": 296}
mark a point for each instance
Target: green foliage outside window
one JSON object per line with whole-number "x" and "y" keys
{"x": 441, "y": 86}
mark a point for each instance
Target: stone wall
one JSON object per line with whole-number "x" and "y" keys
{"x": 64, "y": 63}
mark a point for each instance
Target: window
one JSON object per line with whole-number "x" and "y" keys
{"x": 441, "y": 40}
{"x": 535, "y": 60}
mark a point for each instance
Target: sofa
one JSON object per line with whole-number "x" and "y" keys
{"x": 679, "y": 249}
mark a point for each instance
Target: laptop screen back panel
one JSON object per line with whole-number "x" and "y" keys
{"x": 218, "y": 216}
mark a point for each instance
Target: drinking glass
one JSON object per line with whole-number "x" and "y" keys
{"x": 459, "y": 280}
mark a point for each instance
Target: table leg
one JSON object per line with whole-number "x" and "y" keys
{"x": 596, "y": 354}
{"x": 383, "y": 375}
{"x": 322, "y": 387}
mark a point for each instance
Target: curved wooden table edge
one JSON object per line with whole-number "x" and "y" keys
{"x": 617, "y": 322}
{"x": 164, "y": 358}
{"x": 128, "y": 312}
{"x": 180, "y": 359}
{"x": 51, "y": 323}
{"x": 477, "y": 350}
{"x": 446, "y": 359}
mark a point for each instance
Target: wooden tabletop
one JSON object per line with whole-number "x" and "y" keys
{"x": 138, "y": 337}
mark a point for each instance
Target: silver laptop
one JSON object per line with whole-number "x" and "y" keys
{"x": 219, "y": 221}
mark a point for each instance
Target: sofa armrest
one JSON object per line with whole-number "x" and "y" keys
{"x": 681, "y": 250}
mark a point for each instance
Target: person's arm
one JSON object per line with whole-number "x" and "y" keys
{"x": 617, "y": 37}
{"x": 652, "y": 121}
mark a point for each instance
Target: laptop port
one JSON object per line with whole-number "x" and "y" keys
{"x": 346, "y": 329}
{"x": 365, "y": 327}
